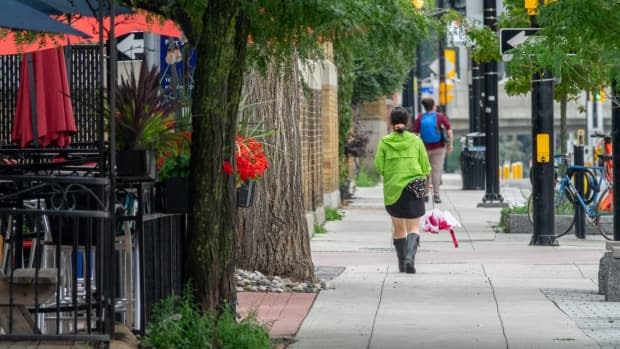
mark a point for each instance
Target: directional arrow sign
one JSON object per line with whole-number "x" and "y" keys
{"x": 450, "y": 59}
{"x": 513, "y": 37}
{"x": 131, "y": 46}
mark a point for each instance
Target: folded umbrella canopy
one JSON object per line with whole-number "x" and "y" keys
{"x": 44, "y": 113}
{"x": 17, "y": 16}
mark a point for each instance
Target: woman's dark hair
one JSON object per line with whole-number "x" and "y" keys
{"x": 399, "y": 115}
{"x": 428, "y": 103}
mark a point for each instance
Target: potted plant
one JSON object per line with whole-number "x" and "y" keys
{"x": 250, "y": 162}
{"x": 145, "y": 123}
{"x": 173, "y": 187}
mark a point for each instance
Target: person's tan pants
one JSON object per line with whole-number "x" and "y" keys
{"x": 436, "y": 157}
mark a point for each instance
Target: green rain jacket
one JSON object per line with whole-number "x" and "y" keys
{"x": 400, "y": 158}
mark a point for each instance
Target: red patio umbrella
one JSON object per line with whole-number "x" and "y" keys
{"x": 44, "y": 113}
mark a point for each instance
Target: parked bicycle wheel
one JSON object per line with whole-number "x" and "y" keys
{"x": 604, "y": 218}
{"x": 564, "y": 209}
{"x": 590, "y": 182}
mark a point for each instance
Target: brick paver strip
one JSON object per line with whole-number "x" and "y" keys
{"x": 283, "y": 313}
{"x": 292, "y": 315}
{"x": 248, "y": 301}
{"x": 272, "y": 306}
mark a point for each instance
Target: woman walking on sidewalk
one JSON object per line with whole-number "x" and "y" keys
{"x": 402, "y": 161}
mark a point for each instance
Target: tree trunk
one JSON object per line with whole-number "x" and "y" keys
{"x": 209, "y": 262}
{"x": 273, "y": 234}
{"x": 563, "y": 132}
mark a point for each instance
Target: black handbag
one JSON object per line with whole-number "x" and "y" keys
{"x": 417, "y": 187}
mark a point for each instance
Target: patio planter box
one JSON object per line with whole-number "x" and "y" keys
{"x": 520, "y": 224}
{"x": 173, "y": 195}
{"x": 138, "y": 164}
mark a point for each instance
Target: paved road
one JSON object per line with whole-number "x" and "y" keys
{"x": 494, "y": 291}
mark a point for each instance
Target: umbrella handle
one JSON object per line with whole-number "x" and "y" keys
{"x": 454, "y": 240}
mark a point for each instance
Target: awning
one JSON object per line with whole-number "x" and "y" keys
{"x": 15, "y": 15}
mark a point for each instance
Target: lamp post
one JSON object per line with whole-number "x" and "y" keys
{"x": 492, "y": 196}
{"x": 443, "y": 91}
{"x": 542, "y": 152}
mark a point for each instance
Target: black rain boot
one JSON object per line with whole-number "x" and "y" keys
{"x": 413, "y": 240}
{"x": 400, "y": 245}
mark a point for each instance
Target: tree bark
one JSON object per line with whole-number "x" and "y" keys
{"x": 218, "y": 79}
{"x": 273, "y": 234}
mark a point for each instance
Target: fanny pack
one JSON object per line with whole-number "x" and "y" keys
{"x": 417, "y": 187}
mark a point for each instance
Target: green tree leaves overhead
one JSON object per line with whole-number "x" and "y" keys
{"x": 576, "y": 43}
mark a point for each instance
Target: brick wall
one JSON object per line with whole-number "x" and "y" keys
{"x": 329, "y": 111}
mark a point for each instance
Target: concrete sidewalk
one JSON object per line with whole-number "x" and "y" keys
{"x": 494, "y": 291}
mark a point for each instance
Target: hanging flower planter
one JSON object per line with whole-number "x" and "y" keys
{"x": 251, "y": 163}
{"x": 245, "y": 194}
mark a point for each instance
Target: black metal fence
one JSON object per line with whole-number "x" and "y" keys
{"x": 84, "y": 82}
{"x": 162, "y": 245}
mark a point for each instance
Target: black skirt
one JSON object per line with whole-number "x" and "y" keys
{"x": 407, "y": 206}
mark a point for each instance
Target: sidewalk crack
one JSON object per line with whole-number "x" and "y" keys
{"x": 499, "y": 315}
{"x": 374, "y": 319}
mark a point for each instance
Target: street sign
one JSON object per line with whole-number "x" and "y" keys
{"x": 427, "y": 90}
{"x": 513, "y": 37}
{"x": 450, "y": 59}
{"x": 130, "y": 46}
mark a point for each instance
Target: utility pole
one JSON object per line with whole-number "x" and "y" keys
{"x": 475, "y": 124}
{"x": 615, "y": 141}
{"x": 542, "y": 152}
{"x": 418, "y": 70}
{"x": 492, "y": 197}
{"x": 443, "y": 89}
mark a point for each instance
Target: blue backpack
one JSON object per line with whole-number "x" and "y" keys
{"x": 429, "y": 132}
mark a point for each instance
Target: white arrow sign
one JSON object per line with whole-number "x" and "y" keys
{"x": 517, "y": 39}
{"x": 513, "y": 37}
{"x": 434, "y": 66}
{"x": 130, "y": 46}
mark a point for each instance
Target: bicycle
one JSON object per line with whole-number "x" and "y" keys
{"x": 596, "y": 200}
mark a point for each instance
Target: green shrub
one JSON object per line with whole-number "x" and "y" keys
{"x": 366, "y": 179}
{"x": 247, "y": 334}
{"x": 332, "y": 214}
{"x": 319, "y": 229}
{"x": 177, "y": 323}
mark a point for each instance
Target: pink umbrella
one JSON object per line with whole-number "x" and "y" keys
{"x": 44, "y": 114}
{"x": 436, "y": 220}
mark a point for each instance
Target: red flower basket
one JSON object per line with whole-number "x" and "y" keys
{"x": 250, "y": 160}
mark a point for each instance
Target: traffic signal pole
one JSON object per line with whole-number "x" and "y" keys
{"x": 476, "y": 81}
{"x": 443, "y": 91}
{"x": 542, "y": 156}
{"x": 492, "y": 197}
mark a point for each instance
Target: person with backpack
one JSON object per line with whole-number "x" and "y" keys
{"x": 430, "y": 126}
{"x": 402, "y": 161}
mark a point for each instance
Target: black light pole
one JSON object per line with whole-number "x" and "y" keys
{"x": 476, "y": 83}
{"x": 418, "y": 71}
{"x": 615, "y": 136}
{"x": 542, "y": 157}
{"x": 492, "y": 197}
{"x": 443, "y": 89}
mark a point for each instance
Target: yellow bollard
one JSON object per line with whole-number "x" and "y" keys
{"x": 506, "y": 171}
{"x": 517, "y": 170}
